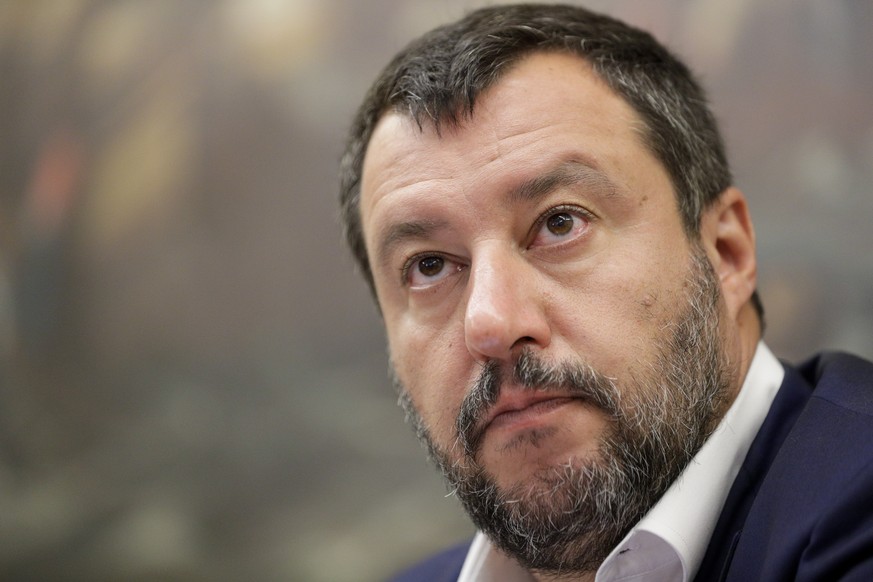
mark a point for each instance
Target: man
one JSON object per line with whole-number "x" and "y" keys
{"x": 539, "y": 199}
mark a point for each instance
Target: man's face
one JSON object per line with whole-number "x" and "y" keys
{"x": 541, "y": 230}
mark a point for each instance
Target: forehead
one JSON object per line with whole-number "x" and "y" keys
{"x": 548, "y": 106}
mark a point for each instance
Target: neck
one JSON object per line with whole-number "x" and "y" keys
{"x": 748, "y": 334}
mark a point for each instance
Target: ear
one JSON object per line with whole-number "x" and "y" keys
{"x": 728, "y": 236}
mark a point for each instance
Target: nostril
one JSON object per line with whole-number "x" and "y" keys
{"x": 524, "y": 340}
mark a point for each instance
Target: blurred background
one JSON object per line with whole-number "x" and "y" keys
{"x": 192, "y": 377}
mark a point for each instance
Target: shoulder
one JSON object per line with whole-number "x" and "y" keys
{"x": 831, "y": 441}
{"x": 841, "y": 379}
{"x": 442, "y": 567}
{"x": 812, "y": 517}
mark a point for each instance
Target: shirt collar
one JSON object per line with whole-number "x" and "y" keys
{"x": 669, "y": 542}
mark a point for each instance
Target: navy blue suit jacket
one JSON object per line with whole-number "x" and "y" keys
{"x": 801, "y": 507}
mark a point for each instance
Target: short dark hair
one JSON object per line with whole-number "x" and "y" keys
{"x": 437, "y": 79}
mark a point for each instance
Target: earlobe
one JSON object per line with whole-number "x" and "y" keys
{"x": 729, "y": 239}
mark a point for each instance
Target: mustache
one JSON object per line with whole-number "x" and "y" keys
{"x": 530, "y": 372}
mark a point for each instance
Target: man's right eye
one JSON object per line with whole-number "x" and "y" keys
{"x": 425, "y": 271}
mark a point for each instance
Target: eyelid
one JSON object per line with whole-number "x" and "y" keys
{"x": 562, "y": 208}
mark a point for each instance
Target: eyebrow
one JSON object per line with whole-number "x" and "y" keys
{"x": 398, "y": 233}
{"x": 567, "y": 173}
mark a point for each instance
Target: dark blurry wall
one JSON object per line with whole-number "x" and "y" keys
{"x": 192, "y": 377}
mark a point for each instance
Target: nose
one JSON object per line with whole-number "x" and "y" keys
{"x": 505, "y": 309}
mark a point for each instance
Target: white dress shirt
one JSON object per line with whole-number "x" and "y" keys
{"x": 668, "y": 543}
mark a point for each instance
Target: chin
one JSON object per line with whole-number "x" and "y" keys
{"x": 534, "y": 458}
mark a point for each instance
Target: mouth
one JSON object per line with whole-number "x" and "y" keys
{"x": 528, "y": 411}
{"x": 516, "y": 411}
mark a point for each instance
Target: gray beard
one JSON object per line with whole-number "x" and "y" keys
{"x": 567, "y": 518}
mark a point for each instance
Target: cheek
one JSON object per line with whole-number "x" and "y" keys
{"x": 431, "y": 364}
{"x": 610, "y": 315}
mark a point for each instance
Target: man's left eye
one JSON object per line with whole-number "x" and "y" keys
{"x": 560, "y": 226}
